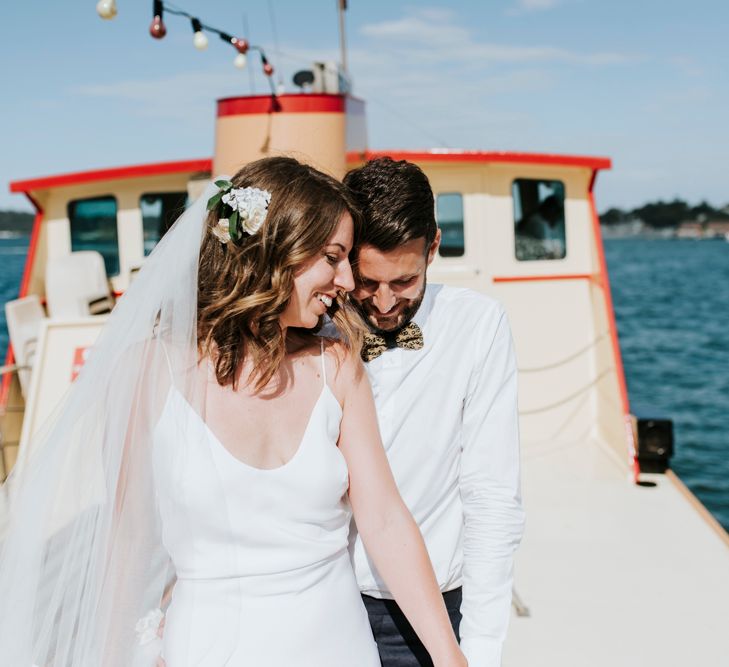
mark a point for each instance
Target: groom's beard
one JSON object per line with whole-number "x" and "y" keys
{"x": 379, "y": 323}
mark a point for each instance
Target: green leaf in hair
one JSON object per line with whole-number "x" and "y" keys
{"x": 214, "y": 200}
{"x": 233, "y": 228}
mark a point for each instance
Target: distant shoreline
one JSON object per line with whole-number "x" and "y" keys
{"x": 660, "y": 237}
{"x": 608, "y": 234}
{"x": 653, "y": 221}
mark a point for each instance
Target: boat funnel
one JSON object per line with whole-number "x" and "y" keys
{"x": 315, "y": 128}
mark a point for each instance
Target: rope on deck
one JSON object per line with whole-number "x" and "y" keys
{"x": 571, "y": 396}
{"x": 566, "y": 360}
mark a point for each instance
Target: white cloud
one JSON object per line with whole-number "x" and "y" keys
{"x": 535, "y": 5}
{"x": 187, "y": 96}
{"x": 434, "y": 27}
{"x": 432, "y": 36}
{"x": 687, "y": 65}
{"x": 522, "y": 7}
{"x": 428, "y": 75}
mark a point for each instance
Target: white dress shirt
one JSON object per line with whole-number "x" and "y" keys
{"x": 449, "y": 423}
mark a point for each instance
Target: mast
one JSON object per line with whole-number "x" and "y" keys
{"x": 342, "y": 7}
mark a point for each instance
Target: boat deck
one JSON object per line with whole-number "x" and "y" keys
{"x": 613, "y": 573}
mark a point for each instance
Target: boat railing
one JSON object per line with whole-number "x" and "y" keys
{"x": 13, "y": 368}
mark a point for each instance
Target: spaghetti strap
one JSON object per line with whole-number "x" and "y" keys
{"x": 323, "y": 364}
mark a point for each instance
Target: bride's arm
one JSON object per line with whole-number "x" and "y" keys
{"x": 387, "y": 528}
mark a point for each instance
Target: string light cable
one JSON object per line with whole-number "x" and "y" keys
{"x": 107, "y": 10}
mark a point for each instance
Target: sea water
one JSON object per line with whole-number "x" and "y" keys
{"x": 671, "y": 301}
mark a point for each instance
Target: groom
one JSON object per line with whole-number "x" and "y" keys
{"x": 443, "y": 373}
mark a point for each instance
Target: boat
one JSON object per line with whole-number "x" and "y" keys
{"x": 620, "y": 563}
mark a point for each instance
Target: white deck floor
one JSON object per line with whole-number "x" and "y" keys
{"x": 614, "y": 574}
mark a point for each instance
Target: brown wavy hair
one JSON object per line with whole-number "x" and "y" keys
{"x": 396, "y": 201}
{"x": 244, "y": 288}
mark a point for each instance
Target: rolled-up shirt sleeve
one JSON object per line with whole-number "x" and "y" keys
{"x": 491, "y": 496}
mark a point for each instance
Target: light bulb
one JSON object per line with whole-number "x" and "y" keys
{"x": 200, "y": 40}
{"x": 241, "y": 60}
{"x": 106, "y": 9}
{"x": 267, "y": 69}
{"x": 240, "y": 44}
{"x": 157, "y": 29}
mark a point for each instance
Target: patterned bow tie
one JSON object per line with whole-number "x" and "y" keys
{"x": 409, "y": 338}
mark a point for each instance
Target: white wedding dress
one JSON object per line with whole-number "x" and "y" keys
{"x": 264, "y": 577}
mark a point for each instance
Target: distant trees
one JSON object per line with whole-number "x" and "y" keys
{"x": 614, "y": 216}
{"x": 665, "y": 214}
{"x": 16, "y": 221}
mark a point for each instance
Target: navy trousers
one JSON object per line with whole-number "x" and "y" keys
{"x": 397, "y": 642}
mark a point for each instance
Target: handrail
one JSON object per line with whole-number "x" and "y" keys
{"x": 13, "y": 368}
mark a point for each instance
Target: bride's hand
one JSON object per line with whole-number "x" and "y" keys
{"x": 161, "y": 627}
{"x": 160, "y": 631}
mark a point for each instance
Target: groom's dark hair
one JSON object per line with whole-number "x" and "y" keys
{"x": 396, "y": 201}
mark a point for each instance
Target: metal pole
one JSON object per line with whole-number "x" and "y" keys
{"x": 342, "y": 6}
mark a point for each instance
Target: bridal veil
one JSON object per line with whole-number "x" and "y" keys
{"x": 81, "y": 545}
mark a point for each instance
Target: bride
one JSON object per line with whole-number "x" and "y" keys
{"x": 210, "y": 456}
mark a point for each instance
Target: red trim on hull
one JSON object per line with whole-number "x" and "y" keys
{"x": 591, "y": 162}
{"x": 114, "y": 173}
{"x": 7, "y": 379}
{"x": 260, "y": 104}
{"x": 572, "y": 276}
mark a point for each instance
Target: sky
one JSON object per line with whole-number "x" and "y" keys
{"x": 643, "y": 82}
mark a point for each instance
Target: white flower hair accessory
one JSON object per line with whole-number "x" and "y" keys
{"x": 240, "y": 210}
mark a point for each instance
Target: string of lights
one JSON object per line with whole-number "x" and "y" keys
{"x": 107, "y": 9}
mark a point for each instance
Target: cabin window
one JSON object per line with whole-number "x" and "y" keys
{"x": 449, "y": 214}
{"x": 539, "y": 229}
{"x": 93, "y": 227}
{"x": 159, "y": 211}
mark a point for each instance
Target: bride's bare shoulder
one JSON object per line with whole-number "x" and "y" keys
{"x": 343, "y": 365}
